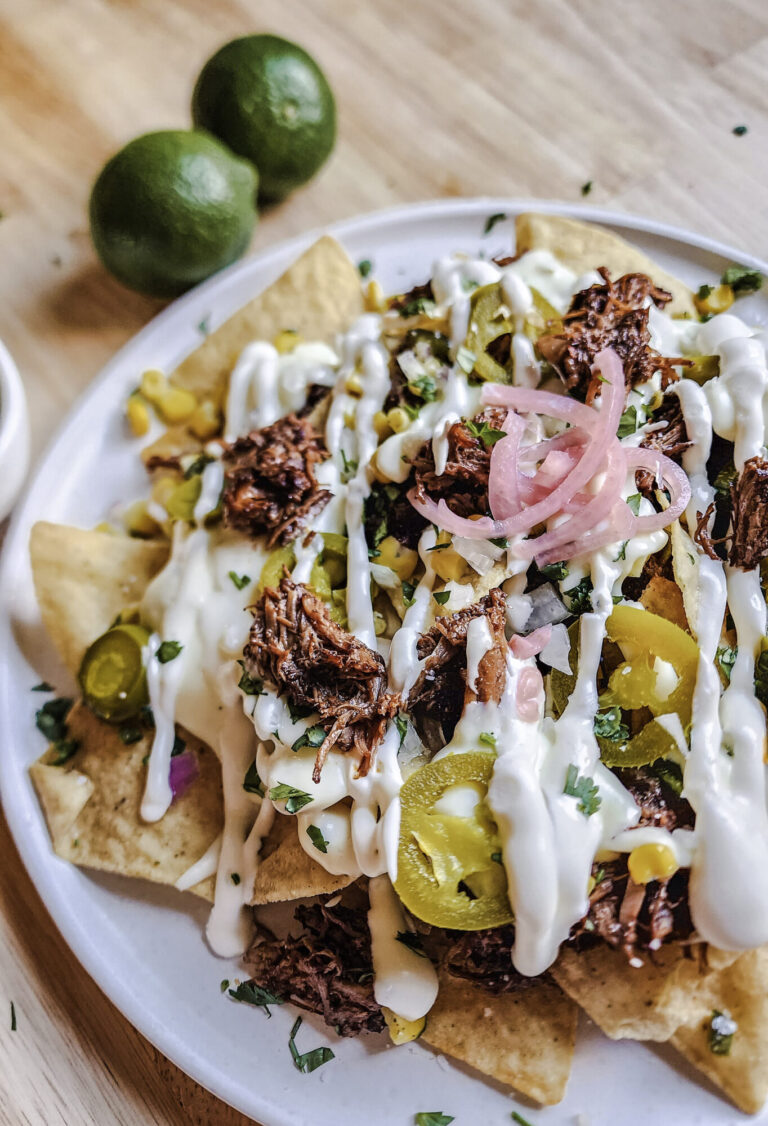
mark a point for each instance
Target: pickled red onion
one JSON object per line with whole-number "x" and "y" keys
{"x": 671, "y": 476}
{"x": 529, "y": 646}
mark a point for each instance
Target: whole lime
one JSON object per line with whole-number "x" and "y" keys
{"x": 269, "y": 101}
{"x": 170, "y": 209}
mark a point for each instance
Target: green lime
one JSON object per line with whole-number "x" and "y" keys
{"x": 171, "y": 208}
{"x": 269, "y": 101}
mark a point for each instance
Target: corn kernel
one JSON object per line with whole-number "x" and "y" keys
{"x": 719, "y": 299}
{"x": 205, "y": 421}
{"x": 176, "y": 405}
{"x": 287, "y": 340}
{"x": 381, "y": 426}
{"x": 163, "y": 489}
{"x": 651, "y": 862}
{"x": 137, "y": 413}
{"x": 402, "y": 1031}
{"x": 153, "y": 384}
{"x": 374, "y": 298}
{"x": 354, "y": 386}
{"x": 446, "y": 561}
{"x": 379, "y": 623}
{"x": 350, "y": 420}
{"x": 402, "y": 560}
{"x": 379, "y": 474}
{"x": 138, "y": 522}
{"x": 398, "y": 419}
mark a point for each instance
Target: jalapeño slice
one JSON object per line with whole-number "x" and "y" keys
{"x": 112, "y": 675}
{"x": 449, "y": 870}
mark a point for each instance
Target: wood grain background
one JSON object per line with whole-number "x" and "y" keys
{"x": 436, "y": 98}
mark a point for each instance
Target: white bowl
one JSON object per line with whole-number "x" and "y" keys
{"x": 14, "y": 432}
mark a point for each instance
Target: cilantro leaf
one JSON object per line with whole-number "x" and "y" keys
{"x": 725, "y": 657}
{"x": 722, "y": 1030}
{"x": 432, "y": 1118}
{"x": 608, "y": 725}
{"x": 408, "y": 589}
{"x": 252, "y": 994}
{"x": 487, "y": 738}
{"x": 312, "y": 737}
{"x": 669, "y": 773}
{"x": 43, "y": 686}
{"x": 294, "y": 799}
{"x": 401, "y": 723}
{"x": 250, "y": 685}
{"x": 196, "y": 467}
{"x": 240, "y": 581}
{"x": 500, "y": 541}
{"x": 307, "y": 1061}
{"x": 364, "y": 267}
{"x": 418, "y": 305}
{"x": 316, "y": 836}
{"x": 704, "y": 291}
{"x": 742, "y": 279}
{"x": 235, "y": 878}
{"x": 350, "y": 467}
{"x": 168, "y": 651}
{"x": 634, "y": 503}
{"x": 50, "y": 718}
{"x": 63, "y": 750}
{"x": 487, "y": 434}
{"x": 725, "y": 478}
{"x": 622, "y": 552}
{"x": 739, "y": 130}
{"x": 518, "y": 1118}
{"x": 490, "y": 223}
{"x": 628, "y": 423}
{"x": 298, "y": 711}
{"x": 587, "y": 188}
{"x": 224, "y": 984}
{"x": 129, "y": 733}
{"x": 580, "y": 596}
{"x": 441, "y": 596}
{"x": 581, "y": 786}
{"x": 252, "y": 784}
{"x": 555, "y": 571}
{"x": 424, "y": 388}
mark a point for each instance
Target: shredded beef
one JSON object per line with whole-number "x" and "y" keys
{"x": 671, "y": 441}
{"x": 327, "y": 969}
{"x": 485, "y": 958}
{"x": 463, "y": 484}
{"x": 296, "y": 646}
{"x": 270, "y": 484}
{"x": 388, "y": 512}
{"x": 438, "y": 696}
{"x": 749, "y": 515}
{"x": 608, "y": 316}
{"x": 404, "y": 301}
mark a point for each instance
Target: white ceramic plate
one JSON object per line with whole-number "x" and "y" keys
{"x": 144, "y": 945}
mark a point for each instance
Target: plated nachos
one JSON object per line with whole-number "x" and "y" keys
{"x": 443, "y": 614}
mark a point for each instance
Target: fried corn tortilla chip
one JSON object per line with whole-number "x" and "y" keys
{"x": 91, "y": 804}
{"x": 525, "y": 1039}
{"x": 741, "y": 991}
{"x": 585, "y": 246}
{"x": 663, "y": 597}
{"x": 318, "y": 296}
{"x": 287, "y": 872}
{"x": 647, "y": 1002}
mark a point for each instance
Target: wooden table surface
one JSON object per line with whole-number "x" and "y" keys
{"x": 435, "y": 99}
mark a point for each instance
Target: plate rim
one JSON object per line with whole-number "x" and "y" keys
{"x": 96, "y": 963}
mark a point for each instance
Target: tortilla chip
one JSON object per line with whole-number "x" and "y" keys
{"x": 663, "y": 597}
{"x": 648, "y": 1002}
{"x": 83, "y": 579}
{"x": 741, "y": 991}
{"x": 287, "y": 872}
{"x": 318, "y": 296}
{"x": 525, "y": 1039}
{"x": 91, "y": 804}
{"x": 586, "y": 246}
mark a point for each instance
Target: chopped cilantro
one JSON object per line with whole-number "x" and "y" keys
{"x": 761, "y": 678}
{"x": 703, "y": 292}
{"x": 416, "y": 306}
{"x": 496, "y": 856}
{"x": 469, "y": 284}
{"x": 63, "y": 750}
{"x": 725, "y": 658}
{"x": 487, "y": 738}
{"x": 298, "y": 711}
{"x": 580, "y": 596}
{"x": 50, "y": 718}
{"x": 364, "y": 267}
{"x": 168, "y": 651}
{"x": 441, "y": 597}
{"x": 317, "y": 838}
{"x": 224, "y": 984}
{"x": 235, "y": 878}
{"x": 742, "y": 279}
{"x": 401, "y": 723}
{"x": 634, "y": 503}
{"x": 669, "y": 773}
{"x": 628, "y": 423}
{"x": 413, "y": 941}
{"x": 252, "y": 994}
{"x": 739, "y": 130}
{"x": 725, "y": 478}
{"x": 294, "y": 799}
{"x": 439, "y": 547}
{"x": 13, "y": 1017}
{"x": 129, "y": 733}
{"x": 252, "y": 784}
{"x": 204, "y": 326}
{"x": 487, "y": 434}
{"x": 408, "y": 589}
{"x": 556, "y": 572}
{"x": 722, "y": 1030}
{"x": 307, "y": 1061}
{"x": 240, "y": 581}
{"x": 197, "y": 466}
{"x": 432, "y": 1118}
{"x": 581, "y": 786}
{"x": 622, "y": 552}
{"x": 490, "y": 223}
{"x": 312, "y": 737}
{"x": 350, "y": 467}
{"x": 500, "y": 541}
{"x": 43, "y": 686}
{"x": 465, "y": 359}
{"x": 587, "y": 188}
{"x": 424, "y": 388}
{"x": 608, "y": 725}
{"x": 518, "y": 1118}
{"x": 250, "y": 685}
